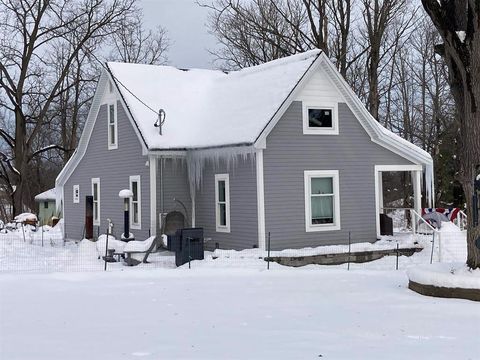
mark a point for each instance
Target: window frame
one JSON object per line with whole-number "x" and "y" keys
{"x": 76, "y": 199}
{"x": 307, "y": 130}
{"x": 112, "y": 146}
{"x": 308, "y": 176}
{"x": 137, "y": 179}
{"x": 218, "y": 226}
{"x": 96, "y": 222}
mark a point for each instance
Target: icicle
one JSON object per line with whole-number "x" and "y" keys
{"x": 197, "y": 159}
{"x": 429, "y": 185}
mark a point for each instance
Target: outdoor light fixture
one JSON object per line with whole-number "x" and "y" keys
{"x": 126, "y": 195}
{"x": 160, "y": 120}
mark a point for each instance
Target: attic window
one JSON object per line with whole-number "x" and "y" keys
{"x": 320, "y": 119}
{"x": 112, "y": 127}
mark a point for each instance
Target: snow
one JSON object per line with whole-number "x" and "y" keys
{"x": 50, "y": 195}
{"x": 206, "y": 108}
{"x": 454, "y": 275}
{"x": 461, "y": 35}
{"x": 25, "y": 217}
{"x": 125, "y": 193}
{"x": 113, "y": 244}
{"x": 139, "y": 246}
{"x": 230, "y": 314}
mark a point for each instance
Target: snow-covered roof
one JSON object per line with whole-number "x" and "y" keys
{"x": 50, "y": 194}
{"x": 208, "y": 108}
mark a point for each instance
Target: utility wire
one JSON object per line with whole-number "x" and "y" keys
{"x": 123, "y": 85}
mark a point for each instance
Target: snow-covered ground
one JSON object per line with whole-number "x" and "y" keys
{"x": 236, "y": 313}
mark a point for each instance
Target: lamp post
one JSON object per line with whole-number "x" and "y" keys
{"x": 126, "y": 194}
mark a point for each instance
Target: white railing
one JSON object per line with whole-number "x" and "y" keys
{"x": 461, "y": 220}
{"x": 423, "y": 235}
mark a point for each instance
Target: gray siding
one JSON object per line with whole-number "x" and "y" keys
{"x": 113, "y": 167}
{"x": 289, "y": 153}
{"x": 243, "y": 205}
{"x": 175, "y": 186}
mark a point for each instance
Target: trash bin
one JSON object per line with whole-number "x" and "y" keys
{"x": 386, "y": 225}
{"x": 188, "y": 245}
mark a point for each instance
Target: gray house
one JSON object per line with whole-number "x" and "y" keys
{"x": 285, "y": 147}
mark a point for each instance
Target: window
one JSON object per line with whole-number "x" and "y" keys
{"x": 96, "y": 201}
{"x": 322, "y": 200}
{"x": 222, "y": 202}
{"x": 135, "y": 203}
{"x": 45, "y": 204}
{"x": 320, "y": 119}
{"x": 76, "y": 194}
{"x": 112, "y": 127}
{"x": 110, "y": 87}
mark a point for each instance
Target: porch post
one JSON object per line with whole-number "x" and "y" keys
{"x": 152, "y": 162}
{"x": 380, "y": 192}
{"x": 260, "y": 199}
{"x": 417, "y": 191}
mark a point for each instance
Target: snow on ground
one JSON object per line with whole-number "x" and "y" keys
{"x": 283, "y": 313}
{"x": 454, "y": 275}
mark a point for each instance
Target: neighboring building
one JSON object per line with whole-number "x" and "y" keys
{"x": 284, "y": 148}
{"x": 46, "y": 206}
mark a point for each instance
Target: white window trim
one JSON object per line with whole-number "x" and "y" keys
{"x": 76, "y": 189}
{"x": 226, "y": 178}
{"x": 96, "y": 181}
{"x": 308, "y": 175}
{"x": 333, "y": 106}
{"x": 115, "y": 122}
{"x": 137, "y": 226}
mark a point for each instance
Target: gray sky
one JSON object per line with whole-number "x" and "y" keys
{"x": 185, "y": 22}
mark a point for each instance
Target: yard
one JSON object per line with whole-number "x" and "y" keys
{"x": 230, "y": 313}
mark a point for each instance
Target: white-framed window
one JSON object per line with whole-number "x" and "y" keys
{"x": 76, "y": 194}
{"x": 110, "y": 87}
{"x": 96, "y": 200}
{"x": 112, "y": 126}
{"x": 222, "y": 202}
{"x": 322, "y": 200}
{"x": 320, "y": 118}
{"x": 135, "y": 203}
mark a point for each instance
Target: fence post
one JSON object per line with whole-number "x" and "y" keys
{"x": 268, "y": 252}
{"x": 349, "y": 249}
{"x": 106, "y": 247}
{"x": 42, "y": 234}
{"x": 433, "y": 247}
{"x": 396, "y": 267}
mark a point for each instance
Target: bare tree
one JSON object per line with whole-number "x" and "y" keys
{"x": 458, "y": 22}
{"x": 29, "y": 81}
{"x": 134, "y": 44}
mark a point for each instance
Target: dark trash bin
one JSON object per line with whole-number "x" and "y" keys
{"x": 386, "y": 225}
{"x": 188, "y": 245}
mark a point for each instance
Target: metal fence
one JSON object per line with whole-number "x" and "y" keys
{"x": 44, "y": 250}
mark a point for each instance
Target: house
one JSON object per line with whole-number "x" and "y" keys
{"x": 46, "y": 205}
{"x": 284, "y": 148}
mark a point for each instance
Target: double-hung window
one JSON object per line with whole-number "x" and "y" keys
{"x": 320, "y": 119}
{"x": 135, "y": 203}
{"x": 112, "y": 127}
{"x": 96, "y": 201}
{"x": 322, "y": 200}
{"x": 222, "y": 202}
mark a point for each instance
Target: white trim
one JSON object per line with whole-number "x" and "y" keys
{"x": 137, "y": 179}
{"x": 97, "y": 102}
{"x": 97, "y": 221}
{"x": 260, "y": 199}
{"x": 377, "y": 132}
{"x": 377, "y": 170}
{"x": 308, "y": 176}
{"x": 76, "y": 194}
{"x": 332, "y": 106}
{"x": 153, "y": 195}
{"x": 192, "y": 196}
{"x": 114, "y": 145}
{"x": 226, "y": 179}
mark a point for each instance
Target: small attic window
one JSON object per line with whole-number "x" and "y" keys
{"x": 110, "y": 87}
{"x": 112, "y": 127}
{"x": 320, "y": 119}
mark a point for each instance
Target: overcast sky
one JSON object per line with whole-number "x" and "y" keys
{"x": 185, "y": 22}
